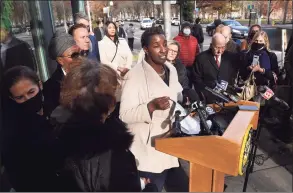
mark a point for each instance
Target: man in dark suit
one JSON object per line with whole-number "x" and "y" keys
{"x": 64, "y": 50}
{"x": 15, "y": 52}
{"x": 121, "y": 32}
{"x": 214, "y": 64}
{"x": 99, "y": 31}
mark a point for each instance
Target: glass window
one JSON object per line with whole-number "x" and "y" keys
{"x": 16, "y": 38}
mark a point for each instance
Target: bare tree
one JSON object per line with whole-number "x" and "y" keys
{"x": 147, "y": 8}
{"x": 20, "y": 12}
{"x": 137, "y": 7}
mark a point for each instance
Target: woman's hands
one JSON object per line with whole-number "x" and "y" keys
{"x": 122, "y": 70}
{"x": 256, "y": 68}
{"x": 161, "y": 103}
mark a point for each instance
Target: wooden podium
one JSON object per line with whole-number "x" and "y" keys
{"x": 211, "y": 157}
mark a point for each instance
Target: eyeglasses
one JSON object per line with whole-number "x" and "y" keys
{"x": 172, "y": 51}
{"x": 74, "y": 55}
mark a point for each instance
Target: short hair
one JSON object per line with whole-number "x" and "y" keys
{"x": 197, "y": 20}
{"x": 75, "y": 27}
{"x": 174, "y": 42}
{"x": 219, "y": 28}
{"x": 216, "y": 35}
{"x": 98, "y": 22}
{"x": 89, "y": 89}
{"x": 217, "y": 22}
{"x": 79, "y": 16}
{"x": 148, "y": 33}
{"x": 16, "y": 74}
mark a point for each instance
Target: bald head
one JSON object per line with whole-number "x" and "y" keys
{"x": 226, "y": 32}
{"x": 218, "y": 44}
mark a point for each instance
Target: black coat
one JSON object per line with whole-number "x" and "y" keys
{"x": 98, "y": 34}
{"x": 20, "y": 54}
{"x": 26, "y": 151}
{"x": 182, "y": 74}
{"x": 207, "y": 72}
{"x": 94, "y": 156}
{"x": 261, "y": 79}
{"x": 198, "y": 33}
{"x": 52, "y": 88}
{"x": 121, "y": 32}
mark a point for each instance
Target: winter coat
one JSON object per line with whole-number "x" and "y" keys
{"x": 94, "y": 157}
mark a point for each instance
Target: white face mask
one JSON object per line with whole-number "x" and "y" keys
{"x": 186, "y": 31}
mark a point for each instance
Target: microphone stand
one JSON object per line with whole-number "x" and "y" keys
{"x": 176, "y": 126}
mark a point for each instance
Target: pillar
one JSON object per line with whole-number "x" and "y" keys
{"x": 167, "y": 18}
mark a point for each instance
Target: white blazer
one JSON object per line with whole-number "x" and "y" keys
{"x": 123, "y": 56}
{"x": 141, "y": 85}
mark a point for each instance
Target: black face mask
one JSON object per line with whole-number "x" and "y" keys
{"x": 256, "y": 46}
{"x": 34, "y": 104}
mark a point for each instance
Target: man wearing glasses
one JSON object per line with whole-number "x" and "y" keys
{"x": 63, "y": 49}
{"x": 93, "y": 52}
{"x": 214, "y": 65}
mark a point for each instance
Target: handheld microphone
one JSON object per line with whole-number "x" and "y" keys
{"x": 268, "y": 94}
{"x": 197, "y": 106}
{"x": 217, "y": 94}
{"x": 221, "y": 88}
{"x": 176, "y": 125}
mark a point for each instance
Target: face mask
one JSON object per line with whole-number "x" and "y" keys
{"x": 186, "y": 31}
{"x": 34, "y": 104}
{"x": 256, "y": 46}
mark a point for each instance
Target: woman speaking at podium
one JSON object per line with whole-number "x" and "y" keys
{"x": 147, "y": 94}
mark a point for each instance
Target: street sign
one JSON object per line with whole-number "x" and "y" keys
{"x": 157, "y": 2}
{"x": 250, "y": 7}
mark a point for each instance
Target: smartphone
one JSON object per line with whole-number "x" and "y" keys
{"x": 255, "y": 60}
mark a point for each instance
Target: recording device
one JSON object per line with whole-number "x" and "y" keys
{"x": 268, "y": 94}
{"x": 215, "y": 93}
{"x": 222, "y": 87}
{"x": 255, "y": 60}
{"x": 198, "y": 107}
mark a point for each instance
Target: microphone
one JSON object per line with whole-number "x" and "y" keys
{"x": 220, "y": 88}
{"x": 197, "y": 106}
{"x": 217, "y": 94}
{"x": 176, "y": 125}
{"x": 268, "y": 94}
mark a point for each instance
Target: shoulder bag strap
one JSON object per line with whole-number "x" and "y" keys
{"x": 115, "y": 52}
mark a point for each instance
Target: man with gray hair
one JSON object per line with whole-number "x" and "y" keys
{"x": 94, "y": 47}
{"x": 214, "y": 65}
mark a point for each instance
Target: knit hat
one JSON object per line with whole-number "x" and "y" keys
{"x": 59, "y": 43}
{"x": 185, "y": 24}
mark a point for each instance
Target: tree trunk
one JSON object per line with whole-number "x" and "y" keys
{"x": 285, "y": 11}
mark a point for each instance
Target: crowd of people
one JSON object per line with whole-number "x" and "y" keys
{"x": 91, "y": 126}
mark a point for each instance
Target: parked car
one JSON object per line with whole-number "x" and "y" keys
{"x": 238, "y": 31}
{"x": 146, "y": 23}
{"x": 175, "y": 21}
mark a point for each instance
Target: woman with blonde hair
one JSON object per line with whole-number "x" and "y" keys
{"x": 265, "y": 64}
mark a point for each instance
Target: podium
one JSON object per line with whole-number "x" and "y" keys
{"x": 211, "y": 157}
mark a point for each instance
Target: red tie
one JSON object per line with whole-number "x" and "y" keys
{"x": 217, "y": 61}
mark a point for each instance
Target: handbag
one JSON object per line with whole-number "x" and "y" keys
{"x": 249, "y": 88}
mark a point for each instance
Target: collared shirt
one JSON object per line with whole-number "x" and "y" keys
{"x": 219, "y": 59}
{"x": 4, "y": 47}
{"x": 63, "y": 71}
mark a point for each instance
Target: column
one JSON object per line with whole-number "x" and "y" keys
{"x": 167, "y": 18}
